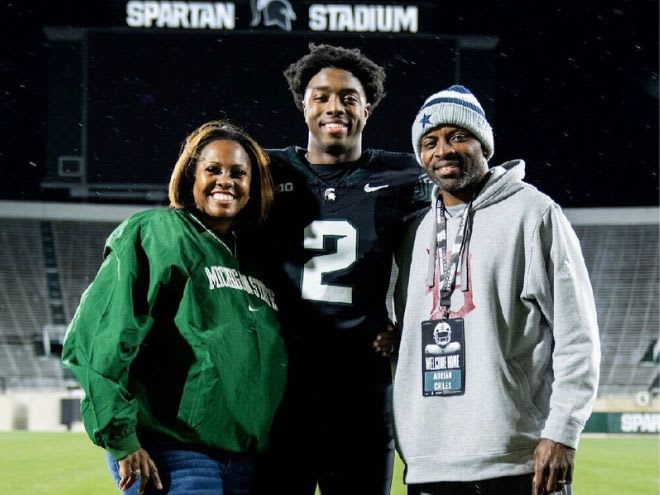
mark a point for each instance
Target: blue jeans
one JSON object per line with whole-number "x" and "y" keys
{"x": 186, "y": 470}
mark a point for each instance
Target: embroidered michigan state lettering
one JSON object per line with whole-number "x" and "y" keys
{"x": 221, "y": 276}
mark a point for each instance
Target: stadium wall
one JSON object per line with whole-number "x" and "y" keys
{"x": 635, "y": 410}
{"x": 628, "y": 422}
{"x": 110, "y": 213}
{"x": 35, "y": 410}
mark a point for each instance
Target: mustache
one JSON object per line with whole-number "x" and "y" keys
{"x": 451, "y": 161}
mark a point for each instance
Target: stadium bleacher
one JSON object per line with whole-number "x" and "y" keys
{"x": 22, "y": 285}
{"x": 79, "y": 247}
{"x": 623, "y": 262}
{"x": 23, "y": 302}
{"x": 24, "y": 297}
{"x": 623, "y": 267}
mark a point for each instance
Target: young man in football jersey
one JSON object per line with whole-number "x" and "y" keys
{"x": 337, "y": 218}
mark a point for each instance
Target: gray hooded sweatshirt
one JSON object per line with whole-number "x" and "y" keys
{"x": 531, "y": 338}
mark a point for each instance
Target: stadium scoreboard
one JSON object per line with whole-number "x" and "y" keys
{"x": 123, "y": 97}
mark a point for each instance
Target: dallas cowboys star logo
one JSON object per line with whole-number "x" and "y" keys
{"x": 426, "y": 119}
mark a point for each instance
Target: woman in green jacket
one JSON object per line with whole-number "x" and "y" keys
{"x": 176, "y": 342}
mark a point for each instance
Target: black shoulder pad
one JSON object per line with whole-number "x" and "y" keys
{"x": 423, "y": 189}
{"x": 276, "y": 155}
{"x": 415, "y": 216}
{"x": 396, "y": 160}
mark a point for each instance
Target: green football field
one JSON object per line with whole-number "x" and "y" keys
{"x": 68, "y": 464}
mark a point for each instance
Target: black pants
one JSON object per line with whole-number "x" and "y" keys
{"x": 509, "y": 485}
{"x": 347, "y": 450}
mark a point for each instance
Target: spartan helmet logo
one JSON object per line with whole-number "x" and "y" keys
{"x": 329, "y": 194}
{"x": 275, "y": 13}
{"x": 442, "y": 334}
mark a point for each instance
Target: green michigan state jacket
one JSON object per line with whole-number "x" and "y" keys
{"x": 176, "y": 337}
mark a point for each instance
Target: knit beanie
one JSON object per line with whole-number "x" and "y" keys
{"x": 457, "y": 106}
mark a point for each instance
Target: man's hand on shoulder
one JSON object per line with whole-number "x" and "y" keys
{"x": 387, "y": 341}
{"x": 553, "y": 466}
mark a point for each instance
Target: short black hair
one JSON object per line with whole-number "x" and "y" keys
{"x": 370, "y": 74}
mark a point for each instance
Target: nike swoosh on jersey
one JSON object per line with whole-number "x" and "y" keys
{"x": 252, "y": 309}
{"x": 368, "y": 188}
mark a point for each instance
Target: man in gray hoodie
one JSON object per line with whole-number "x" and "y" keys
{"x": 498, "y": 364}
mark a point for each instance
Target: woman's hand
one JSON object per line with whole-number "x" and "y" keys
{"x": 138, "y": 465}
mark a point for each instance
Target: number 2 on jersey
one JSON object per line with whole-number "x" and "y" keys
{"x": 322, "y": 264}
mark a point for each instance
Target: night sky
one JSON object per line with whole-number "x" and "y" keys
{"x": 576, "y": 92}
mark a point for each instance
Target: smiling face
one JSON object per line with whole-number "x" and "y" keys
{"x": 336, "y": 111}
{"x": 455, "y": 160}
{"x": 222, "y": 183}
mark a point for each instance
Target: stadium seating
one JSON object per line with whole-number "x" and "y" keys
{"x": 79, "y": 248}
{"x": 24, "y": 297}
{"x": 623, "y": 266}
{"x": 623, "y": 262}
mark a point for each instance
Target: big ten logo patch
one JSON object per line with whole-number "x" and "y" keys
{"x": 284, "y": 187}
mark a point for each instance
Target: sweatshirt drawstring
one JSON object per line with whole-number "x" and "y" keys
{"x": 465, "y": 264}
{"x": 433, "y": 255}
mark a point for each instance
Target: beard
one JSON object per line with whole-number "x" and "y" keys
{"x": 470, "y": 174}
